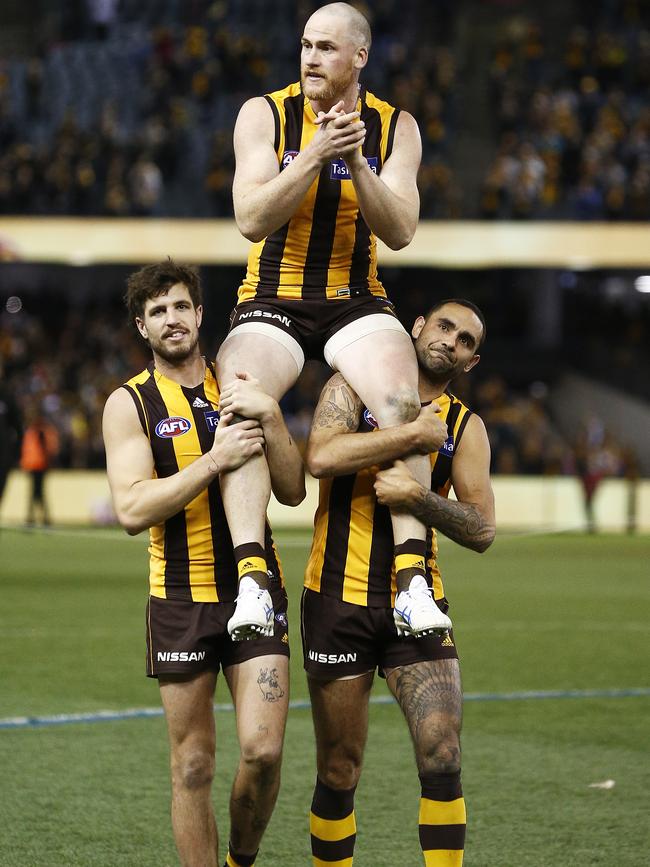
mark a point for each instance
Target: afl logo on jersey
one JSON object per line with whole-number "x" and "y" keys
{"x": 288, "y": 157}
{"x": 173, "y": 427}
{"x": 369, "y": 418}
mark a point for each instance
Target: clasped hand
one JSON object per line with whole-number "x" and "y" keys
{"x": 341, "y": 134}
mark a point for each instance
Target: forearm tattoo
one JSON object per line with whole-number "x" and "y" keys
{"x": 339, "y": 406}
{"x": 461, "y": 522}
{"x": 270, "y": 685}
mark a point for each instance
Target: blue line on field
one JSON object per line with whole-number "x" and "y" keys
{"x": 32, "y": 722}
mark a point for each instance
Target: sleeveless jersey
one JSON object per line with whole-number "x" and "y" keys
{"x": 326, "y": 251}
{"x": 190, "y": 554}
{"x": 351, "y": 556}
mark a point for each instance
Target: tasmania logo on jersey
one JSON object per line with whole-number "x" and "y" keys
{"x": 369, "y": 418}
{"x": 340, "y": 172}
{"x": 212, "y": 419}
{"x": 288, "y": 157}
{"x": 447, "y": 448}
{"x": 173, "y": 427}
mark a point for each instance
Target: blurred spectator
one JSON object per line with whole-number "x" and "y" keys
{"x": 11, "y": 430}
{"x": 598, "y": 456}
{"x": 102, "y": 16}
{"x": 39, "y": 449}
{"x": 146, "y": 186}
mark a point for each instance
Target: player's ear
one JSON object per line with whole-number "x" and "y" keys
{"x": 470, "y": 364}
{"x": 199, "y": 315}
{"x": 142, "y": 328}
{"x": 361, "y": 57}
{"x": 418, "y": 325}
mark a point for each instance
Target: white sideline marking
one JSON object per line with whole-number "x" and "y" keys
{"x": 22, "y": 722}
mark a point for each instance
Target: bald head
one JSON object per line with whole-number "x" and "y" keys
{"x": 356, "y": 24}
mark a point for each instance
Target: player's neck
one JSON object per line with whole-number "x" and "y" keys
{"x": 190, "y": 372}
{"x": 429, "y": 389}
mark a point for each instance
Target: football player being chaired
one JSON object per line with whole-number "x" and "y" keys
{"x": 167, "y": 449}
{"x": 324, "y": 168}
{"x": 347, "y": 625}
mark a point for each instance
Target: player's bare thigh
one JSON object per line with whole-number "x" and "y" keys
{"x": 340, "y": 712}
{"x": 260, "y": 692}
{"x": 264, "y": 356}
{"x": 187, "y": 702}
{"x": 379, "y": 365}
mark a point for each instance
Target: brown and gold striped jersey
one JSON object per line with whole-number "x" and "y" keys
{"x": 190, "y": 554}
{"x": 326, "y": 250}
{"x": 351, "y": 556}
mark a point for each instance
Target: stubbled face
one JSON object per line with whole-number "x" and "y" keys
{"x": 447, "y": 341}
{"x": 329, "y": 60}
{"x": 171, "y": 324}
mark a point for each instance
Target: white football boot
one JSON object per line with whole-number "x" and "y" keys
{"x": 416, "y": 613}
{"x": 253, "y": 615}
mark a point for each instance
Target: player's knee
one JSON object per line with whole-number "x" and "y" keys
{"x": 340, "y": 771}
{"x": 193, "y": 769}
{"x": 262, "y": 759}
{"x": 440, "y": 755}
{"x": 398, "y": 407}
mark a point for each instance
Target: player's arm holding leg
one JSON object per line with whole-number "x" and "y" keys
{"x": 331, "y": 451}
{"x": 469, "y": 521}
{"x": 245, "y": 397}
{"x": 142, "y": 501}
{"x": 390, "y": 202}
{"x": 264, "y": 197}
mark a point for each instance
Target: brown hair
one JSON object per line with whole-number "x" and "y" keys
{"x": 154, "y": 280}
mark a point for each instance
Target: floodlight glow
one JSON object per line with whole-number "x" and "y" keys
{"x": 642, "y": 284}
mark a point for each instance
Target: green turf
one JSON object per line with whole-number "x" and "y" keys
{"x": 534, "y": 613}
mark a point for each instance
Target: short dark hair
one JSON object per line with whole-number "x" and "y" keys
{"x": 463, "y": 302}
{"x": 154, "y": 280}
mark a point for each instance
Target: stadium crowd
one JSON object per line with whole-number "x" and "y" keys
{"x": 573, "y": 124}
{"x": 123, "y": 117}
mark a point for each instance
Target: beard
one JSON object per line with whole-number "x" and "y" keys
{"x": 175, "y": 352}
{"x": 437, "y": 364}
{"x": 327, "y": 88}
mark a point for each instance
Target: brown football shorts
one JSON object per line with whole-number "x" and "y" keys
{"x": 340, "y": 639}
{"x": 310, "y": 323}
{"x": 185, "y": 637}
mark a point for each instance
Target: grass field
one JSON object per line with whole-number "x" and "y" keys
{"x": 536, "y": 613}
